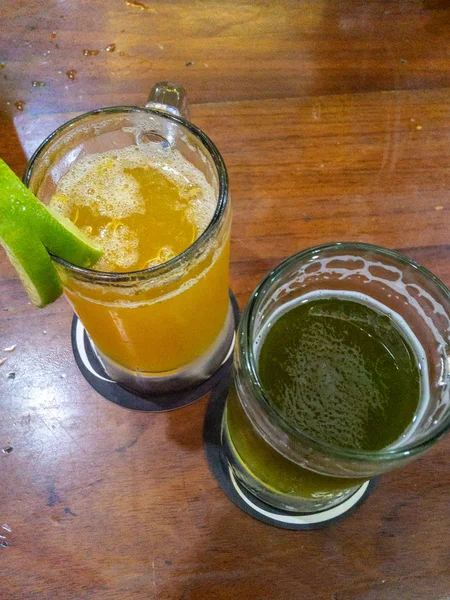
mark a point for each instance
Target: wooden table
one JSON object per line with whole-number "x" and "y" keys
{"x": 334, "y": 120}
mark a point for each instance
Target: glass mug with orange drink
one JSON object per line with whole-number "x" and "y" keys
{"x": 152, "y": 190}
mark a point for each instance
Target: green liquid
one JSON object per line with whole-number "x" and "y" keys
{"x": 339, "y": 371}
{"x": 342, "y": 373}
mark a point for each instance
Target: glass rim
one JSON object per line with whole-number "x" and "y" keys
{"x": 248, "y": 359}
{"x": 190, "y": 251}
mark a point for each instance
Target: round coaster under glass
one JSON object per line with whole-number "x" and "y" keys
{"x": 95, "y": 374}
{"x": 248, "y": 502}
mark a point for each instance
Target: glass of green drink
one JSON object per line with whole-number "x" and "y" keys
{"x": 341, "y": 374}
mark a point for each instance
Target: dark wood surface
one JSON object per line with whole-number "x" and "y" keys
{"x": 334, "y": 120}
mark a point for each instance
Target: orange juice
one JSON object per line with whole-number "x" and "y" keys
{"x": 145, "y": 206}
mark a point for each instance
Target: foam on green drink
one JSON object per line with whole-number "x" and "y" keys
{"x": 342, "y": 371}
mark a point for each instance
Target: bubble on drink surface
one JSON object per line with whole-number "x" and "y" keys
{"x": 324, "y": 385}
{"x": 104, "y": 180}
{"x": 121, "y": 243}
{"x": 100, "y": 182}
{"x": 164, "y": 255}
{"x": 104, "y": 184}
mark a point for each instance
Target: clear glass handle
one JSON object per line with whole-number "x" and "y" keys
{"x": 169, "y": 97}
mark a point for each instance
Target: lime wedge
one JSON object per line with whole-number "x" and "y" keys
{"x": 29, "y": 230}
{"x": 33, "y": 264}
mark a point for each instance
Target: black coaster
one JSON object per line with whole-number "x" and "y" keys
{"x": 93, "y": 371}
{"x": 244, "y": 499}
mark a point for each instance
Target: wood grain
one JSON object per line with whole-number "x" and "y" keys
{"x": 333, "y": 118}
